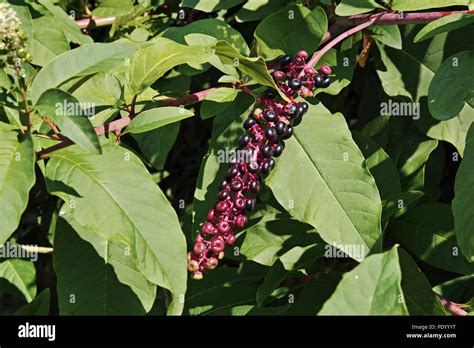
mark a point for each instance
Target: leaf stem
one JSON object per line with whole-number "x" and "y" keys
{"x": 451, "y": 307}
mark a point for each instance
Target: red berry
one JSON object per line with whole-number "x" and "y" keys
{"x": 217, "y": 245}
{"x": 211, "y": 263}
{"x": 222, "y": 206}
{"x": 199, "y": 248}
{"x": 279, "y": 75}
{"x": 325, "y": 69}
{"x": 208, "y": 228}
{"x": 211, "y": 215}
{"x": 241, "y": 221}
{"x": 302, "y": 54}
{"x": 223, "y": 227}
{"x": 230, "y": 240}
{"x": 310, "y": 71}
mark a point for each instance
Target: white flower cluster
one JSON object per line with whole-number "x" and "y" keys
{"x": 12, "y": 38}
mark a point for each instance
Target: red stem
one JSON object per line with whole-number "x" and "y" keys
{"x": 452, "y": 307}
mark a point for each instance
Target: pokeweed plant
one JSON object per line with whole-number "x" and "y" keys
{"x": 298, "y": 158}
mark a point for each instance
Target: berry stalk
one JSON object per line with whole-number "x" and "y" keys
{"x": 266, "y": 129}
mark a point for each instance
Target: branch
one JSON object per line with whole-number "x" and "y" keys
{"x": 453, "y": 308}
{"x": 94, "y": 22}
{"x": 118, "y": 125}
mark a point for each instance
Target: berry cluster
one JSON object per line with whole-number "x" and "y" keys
{"x": 12, "y": 38}
{"x": 266, "y": 129}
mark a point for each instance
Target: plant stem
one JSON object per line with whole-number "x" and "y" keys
{"x": 451, "y": 307}
{"x": 319, "y": 54}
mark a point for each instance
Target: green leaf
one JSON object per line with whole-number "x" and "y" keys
{"x": 217, "y": 29}
{"x": 427, "y": 232}
{"x": 107, "y": 8}
{"x": 288, "y": 240}
{"x": 81, "y": 61}
{"x": 17, "y": 177}
{"x": 217, "y": 101}
{"x": 314, "y": 294}
{"x": 255, "y": 10}
{"x": 388, "y": 35}
{"x": 69, "y": 27}
{"x": 21, "y": 274}
{"x": 48, "y": 41}
{"x": 152, "y": 62}
{"x": 210, "y": 5}
{"x": 273, "y": 279}
{"x": 253, "y": 67}
{"x": 459, "y": 289}
{"x": 39, "y": 306}
{"x": 372, "y": 288}
{"x": 417, "y": 5}
{"x": 156, "y": 144}
{"x": 113, "y": 286}
{"x": 223, "y": 288}
{"x": 321, "y": 179}
{"x": 452, "y": 86}
{"x": 291, "y": 29}
{"x": 353, "y": 7}
{"x": 156, "y": 118}
{"x": 133, "y": 211}
{"x": 66, "y": 112}
{"x": 398, "y": 203}
{"x": 463, "y": 203}
{"x": 448, "y": 23}
{"x": 381, "y": 166}
{"x": 420, "y": 299}
{"x": 252, "y": 310}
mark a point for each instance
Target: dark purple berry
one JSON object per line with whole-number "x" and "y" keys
{"x": 253, "y": 167}
{"x": 303, "y": 108}
{"x": 255, "y": 186}
{"x": 285, "y": 60}
{"x": 271, "y": 134}
{"x": 269, "y": 94}
{"x": 267, "y": 151}
{"x": 236, "y": 185}
{"x": 318, "y": 80}
{"x": 250, "y": 204}
{"x": 232, "y": 172}
{"x": 223, "y": 185}
{"x": 326, "y": 82}
{"x": 244, "y": 140}
{"x": 270, "y": 115}
{"x": 240, "y": 203}
{"x": 294, "y": 83}
{"x": 249, "y": 123}
{"x": 280, "y": 128}
{"x": 278, "y": 150}
{"x": 266, "y": 168}
{"x": 222, "y": 195}
{"x": 271, "y": 163}
{"x": 292, "y": 110}
{"x": 289, "y": 133}
{"x": 297, "y": 120}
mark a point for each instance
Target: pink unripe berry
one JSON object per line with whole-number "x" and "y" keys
{"x": 279, "y": 75}
{"x": 211, "y": 215}
{"x": 211, "y": 263}
{"x": 197, "y": 275}
{"x": 223, "y": 227}
{"x": 306, "y": 92}
{"x": 208, "y": 228}
{"x": 241, "y": 221}
{"x": 222, "y": 206}
{"x": 310, "y": 71}
{"x": 302, "y": 54}
{"x": 325, "y": 69}
{"x": 230, "y": 240}
{"x": 217, "y": 245}
{"x": 199, "y": 248}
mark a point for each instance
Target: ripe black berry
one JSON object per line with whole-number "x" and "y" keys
{"x": 267, "y": 151}
{"x": 232, "y": 172}
{"x": 236, "y": 185}
{"x": 289, "y": 133}
{"x": 244, "y": 140}
{"x": 255, "y": 186}
{"x": 240, "y": 203}
{"x": 297, "y": 120}
{"x": 292, "y": 110}
{"x": 294, "y": 83}
{"x": 270, "y": 115}
{"x": 280, "y": 128}
{"x": 269, "y": 94}
{"x": 326, "y": 82}
{"x": 271, "y": 134}
{"x": 250, "y": 204}
{"x": 249, "y": 123}
{"x": 278, "y": 150}
{"x": 285, "y": 60}
{"x": 222, "y": 195}
{"x": 266, "y": 168}
{"x": 303, "y": 108}
{"x": 318, "y": 80}
{"x": 271, "y": 163}
{"x": 223, "y": 185}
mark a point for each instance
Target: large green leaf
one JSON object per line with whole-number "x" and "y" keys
{"x": 112, "y": 196}
{"x": 459, "y": 289}
{"x": 452, "y": 86}
{"x": 81, "y": 61}
{"x": 152, "y": 62}
{"x": 388, "y": 35}
{"x": 291, "y": 29}
{"x": 106, "y": 8}
{"x": 427, "y": 232}
{"x": 417, "y": 5}
{"x": 322, "y": 179}
{"x": 21, "y": 274}
{"x": 255, "y": 10}
{"x": 463, "y": 203}
{"x": 39, "y": 306}
{"x": 452, "y": 22}
{"x": 17, "y": 177}
{"x": 156, "y": 118}
{"x": 48, "y": 40}
{"x": 67, "y": 113}
{"x": 353, "y": 7}
{"x": 113, "y": 286}
{"x": 210, "y": 5}
{"x": 372, "y": 288}
{"x": 69, "y": 27}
